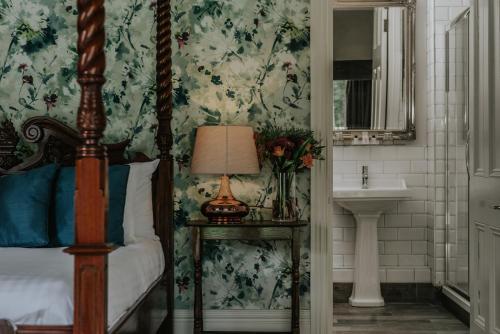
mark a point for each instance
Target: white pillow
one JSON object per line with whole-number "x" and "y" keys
{"x": 138, "y": 220}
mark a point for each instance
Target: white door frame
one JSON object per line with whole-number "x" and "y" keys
{"x": 485, "y": 173}
{"x": 322, "y": 173}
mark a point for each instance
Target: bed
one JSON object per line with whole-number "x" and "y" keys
{"x": 93, "y": 286}
{"x": 38, "y": 283}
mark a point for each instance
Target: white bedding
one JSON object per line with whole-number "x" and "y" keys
{"x": 36, "y": 285}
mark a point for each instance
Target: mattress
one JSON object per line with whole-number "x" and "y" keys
{"x": 36, "y": 285}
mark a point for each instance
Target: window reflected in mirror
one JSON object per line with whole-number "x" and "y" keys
{"x": 368, "y": 69}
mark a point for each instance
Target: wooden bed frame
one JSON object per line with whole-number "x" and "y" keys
{"x": 58, "y": 143}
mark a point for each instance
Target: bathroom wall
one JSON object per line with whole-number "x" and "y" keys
{"x": 439, "y": 15}
{"x": 402, "y": 232}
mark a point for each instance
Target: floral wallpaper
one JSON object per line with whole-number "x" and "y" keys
{"x": 38, "y": 65}
{"x": 235, "y": 62}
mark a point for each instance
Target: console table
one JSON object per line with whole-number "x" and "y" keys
{"x": 246, "y": 230}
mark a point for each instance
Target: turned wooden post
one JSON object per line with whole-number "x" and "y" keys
{"x": 90, "y": 249}
{"x": 164, "y": 205}
{"x": 198, "y": 277}
{"x": 296, "y": 280}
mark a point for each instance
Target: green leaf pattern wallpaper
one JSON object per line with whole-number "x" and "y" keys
{"x": 234, "y": 62}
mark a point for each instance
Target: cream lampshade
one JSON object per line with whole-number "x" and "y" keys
{"x": 225, "y": 150}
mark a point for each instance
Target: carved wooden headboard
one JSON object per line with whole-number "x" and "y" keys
{"x": 56, "y": 143}
{"x": 8, "y": 144}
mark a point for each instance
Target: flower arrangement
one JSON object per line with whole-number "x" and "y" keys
{"x": 288, "y": 149}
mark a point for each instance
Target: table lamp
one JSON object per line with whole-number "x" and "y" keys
{"x": 225, "y": 150}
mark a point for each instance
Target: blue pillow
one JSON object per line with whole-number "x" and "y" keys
{"x": 64, "y": 208}
{"x": 24, "y": 207}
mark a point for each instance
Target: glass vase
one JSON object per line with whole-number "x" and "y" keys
{"x": 285, "y": 202}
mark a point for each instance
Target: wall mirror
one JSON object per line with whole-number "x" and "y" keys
{"x": 373, "y": 71}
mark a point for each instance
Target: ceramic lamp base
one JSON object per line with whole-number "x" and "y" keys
{"x": 225, "y": 208}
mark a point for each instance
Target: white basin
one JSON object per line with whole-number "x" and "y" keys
{"x": 367, "y": 205}
{"x": 380, "y": 195}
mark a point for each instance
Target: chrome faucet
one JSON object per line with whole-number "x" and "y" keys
{"x": 364, "y": 184}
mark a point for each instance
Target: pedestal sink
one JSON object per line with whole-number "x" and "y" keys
{"x": 367, "y": 205}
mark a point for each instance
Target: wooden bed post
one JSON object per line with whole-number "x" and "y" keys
{"x": 90, "y": 249}
{"x": 164, "y": 205}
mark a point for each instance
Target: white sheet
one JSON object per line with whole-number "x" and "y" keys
{"x": 36, "y": 285}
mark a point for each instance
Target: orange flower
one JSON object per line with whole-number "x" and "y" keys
{"x": 278, "y": 151}
{"x": 307, "y": 160}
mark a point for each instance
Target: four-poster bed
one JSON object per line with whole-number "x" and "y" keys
{"x": 57, "y": 143}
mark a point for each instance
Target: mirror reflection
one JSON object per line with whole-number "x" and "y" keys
{"x": 368, "y": 69}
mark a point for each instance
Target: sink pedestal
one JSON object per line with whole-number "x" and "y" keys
{"x": 367, "y": 205}
{"x": 366, "y": 289}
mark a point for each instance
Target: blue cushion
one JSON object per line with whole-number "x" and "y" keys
{"x": 24, "y": 207}
{"x": 64, "y": 209}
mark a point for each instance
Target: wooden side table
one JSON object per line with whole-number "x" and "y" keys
{"x": 247, "y": 230}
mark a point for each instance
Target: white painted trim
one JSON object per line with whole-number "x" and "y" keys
{"x": 241, "y": 320}
{"x": 322, "y": 173}
{"x": 459, "y": 300}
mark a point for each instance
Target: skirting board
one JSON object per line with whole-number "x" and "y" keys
{"x": 456, "y": 304}
{"x": 393, "y": 292}
{"x": 241, "y": 320}
{"x": 457, "y": 299}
